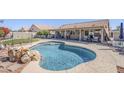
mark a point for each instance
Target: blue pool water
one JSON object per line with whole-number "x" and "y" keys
{"x": 58, "y": 56}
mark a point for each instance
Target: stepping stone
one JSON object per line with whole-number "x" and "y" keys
{"x": 120, "y": 69}
{"x": 1, "y": 67}
{"x": 4, "y": 71}
{"x": 5, "y": 64}
{"x": 14, "y": 67}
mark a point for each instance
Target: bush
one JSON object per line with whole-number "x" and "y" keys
{"x": 43, "y": 32}
{"x": 18, "y": 41}
{"x": 1, "y": 33}
{"x": 6, "y": 30}
{"x": 40, "y": 33}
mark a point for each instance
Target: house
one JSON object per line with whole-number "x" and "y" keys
{"x": 36, "y": 28}
{"x": 25, "y": 29}
{"x": 81, "y": 31}
{"x": 99, "y": 29}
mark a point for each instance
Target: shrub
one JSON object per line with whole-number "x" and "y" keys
{"x": 1, "y": 33}
{"x": 6, "y": 30}
{"x": 40, "y": 33}
{"x": 19, "y": 41}
{"x": 43, "y": 32}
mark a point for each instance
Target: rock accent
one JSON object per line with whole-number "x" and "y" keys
{"x": 11, "y": 54}
{"x": 34, "y": 55}
{"x": 23, "y": 55}
{"x": 120, "y": 69}
{"x": 25, "y": 58}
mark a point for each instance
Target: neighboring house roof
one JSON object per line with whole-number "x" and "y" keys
{"x": 98, "y": 23}
{"x": 42, "y": 27}
{"x": 25, "y": 28}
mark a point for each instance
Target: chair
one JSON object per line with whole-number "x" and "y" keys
{"x": 118, "y": 46}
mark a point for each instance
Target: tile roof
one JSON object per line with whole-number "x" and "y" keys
{"x": 43, "y": 27}
{"x": 26, "y": 28}
{"x": 97, "y": 23}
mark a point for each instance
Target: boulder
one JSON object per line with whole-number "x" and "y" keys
{"x": 12, "y": 59}
{"x": 23, "y": 55}
{"x": 12, "y": 51}
{"x": 18, "y": 55}
{"x": 34, "y": 55}
{"x": 25, "y": 59}
{"x": 23, "y": 50}
{"x": 11, "y": 54}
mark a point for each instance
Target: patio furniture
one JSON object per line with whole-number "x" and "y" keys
{"x": 85, "y": 38}
{"x": 118, "y": 46}
{"x": 95, "y": 39}
{"x": 122, "y": 49}
{"x": 109, "y": 43}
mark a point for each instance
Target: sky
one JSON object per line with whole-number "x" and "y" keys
{"x": 16, "y": 24}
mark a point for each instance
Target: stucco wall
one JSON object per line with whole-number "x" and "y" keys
{"x": 74, "y": 36}
{"x": 23, "y": 35}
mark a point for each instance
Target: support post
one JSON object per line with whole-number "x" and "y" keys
{"x": 80, "y": 35}
{"x": 65, "y": 32}
{"x": 102, "y": 36}
{"x": 55, "y": 35}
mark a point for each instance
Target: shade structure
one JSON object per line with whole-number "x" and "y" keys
{"x": 121, "y": 36}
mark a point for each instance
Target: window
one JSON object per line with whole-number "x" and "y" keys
{"x": 97, "y": 34}
{"x": 73, "y": 33}
{"x": 76, "y": 31}
{"x": 86, "y": 33}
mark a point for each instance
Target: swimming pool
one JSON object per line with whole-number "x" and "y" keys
{"x": 57, "y": 56}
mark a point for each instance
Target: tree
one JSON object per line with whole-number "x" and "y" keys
{"x": 6, "y": 31}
